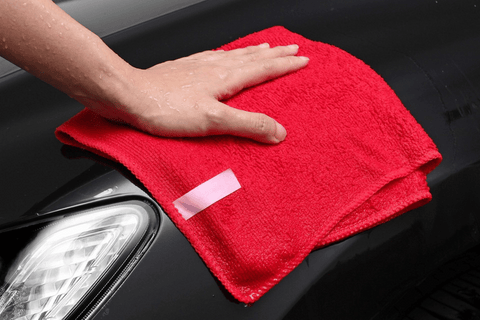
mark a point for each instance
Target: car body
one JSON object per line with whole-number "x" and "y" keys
{"x": 427, "y": 51}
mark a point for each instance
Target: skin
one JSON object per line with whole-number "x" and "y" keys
{"x": 178, "y": 98}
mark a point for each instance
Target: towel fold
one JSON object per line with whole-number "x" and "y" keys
{"x": 354, "y": 157}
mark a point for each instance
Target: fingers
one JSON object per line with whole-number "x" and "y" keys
{"x": 259, "y": 64}
{"x": 260, "y": 52}
{"x": 244, "y": 55}
{"x": 258, "y": 72}
{"x": 223, "y": 119}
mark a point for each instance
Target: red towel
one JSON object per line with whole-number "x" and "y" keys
{"x": 354, "y": 157}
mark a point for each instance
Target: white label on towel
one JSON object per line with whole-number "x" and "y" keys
{"x": 207, "y": 194}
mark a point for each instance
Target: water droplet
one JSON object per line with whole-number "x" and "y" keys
{"x": 41, "y": 17}
{"x": 60, "y": 34}
{"x": 23, "y": 37}
{"x": 49, "y": 25}
{"x": 6, "y": 46}
{"x": 3, "y": 39}
{"x": 47, "y": 47}
{"x": 24, "y": 4}
{"x": 186, "y": 86}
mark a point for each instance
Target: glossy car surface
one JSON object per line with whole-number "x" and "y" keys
{"x": 427, "y": 51}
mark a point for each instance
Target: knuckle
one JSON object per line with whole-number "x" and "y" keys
{"x": 281, "y": 51}
{"x": 263, "y": 125}
{"x": 291, "y": 60}
{"x": 268, "y": 65}
{"x": 214, "y": 119}
{"x": 254, "y": 56}
{"x": 222, "y": 73}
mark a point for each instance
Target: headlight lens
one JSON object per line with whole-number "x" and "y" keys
{"x": 65, "y": 259}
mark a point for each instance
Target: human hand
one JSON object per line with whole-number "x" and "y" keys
{"x": 181, "y": 98}
{"x": 174, "y": 99}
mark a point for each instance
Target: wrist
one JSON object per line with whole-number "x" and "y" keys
{"x": 107, "y": 86}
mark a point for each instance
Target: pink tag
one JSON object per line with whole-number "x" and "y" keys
{"x": 207, "y": 194}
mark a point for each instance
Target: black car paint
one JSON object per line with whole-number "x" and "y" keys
{"x": 427, "y": 51}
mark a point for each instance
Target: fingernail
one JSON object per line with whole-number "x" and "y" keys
{"x": 280, "y": 132}
{"x": 293, "y": 46}
{"x": 264, "y": 45}
{"x": 304, "y": 58}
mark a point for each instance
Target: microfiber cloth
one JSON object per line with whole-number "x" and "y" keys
{"x": 354, "y": 157}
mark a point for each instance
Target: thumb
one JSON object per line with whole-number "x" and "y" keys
{"x": 255, "y": 126}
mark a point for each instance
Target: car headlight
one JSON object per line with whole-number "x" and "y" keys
{"x": 51, "y": 267}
